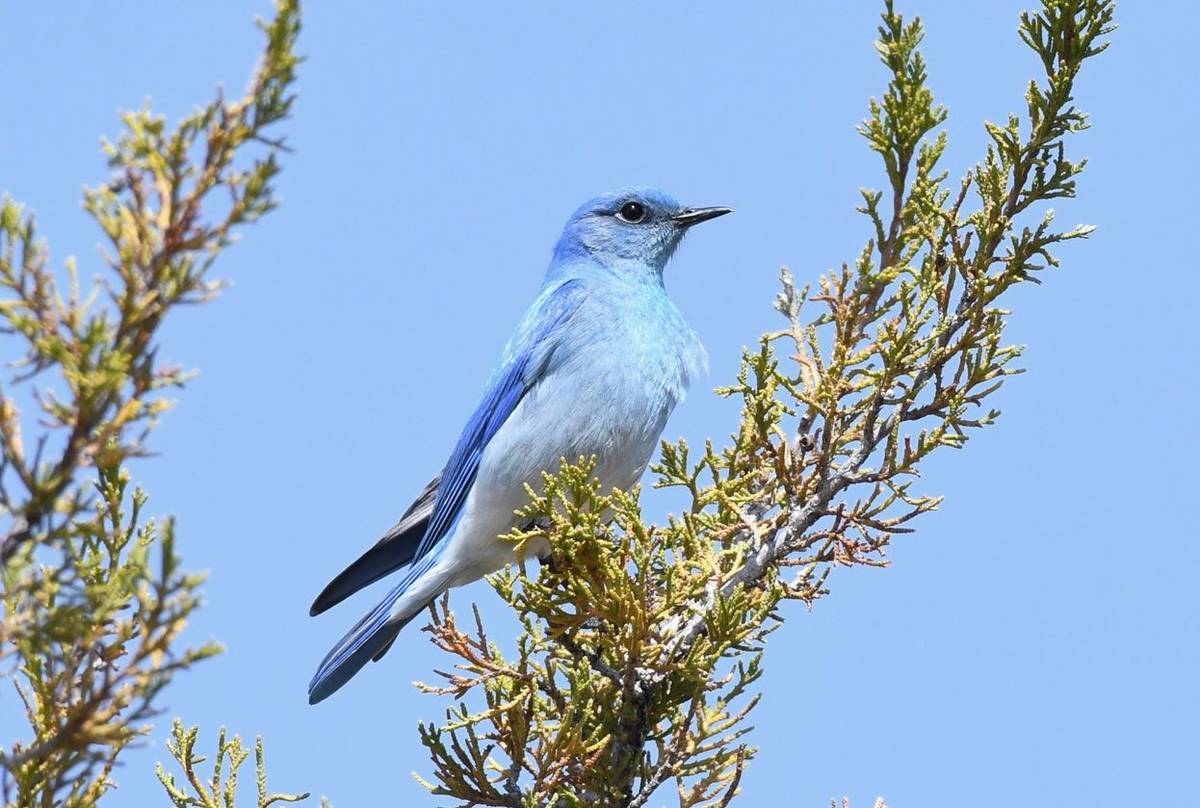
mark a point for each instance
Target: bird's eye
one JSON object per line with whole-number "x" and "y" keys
{"x": 632, "y": 212}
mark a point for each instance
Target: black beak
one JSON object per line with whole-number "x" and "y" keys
{"x": 690, "y": 216}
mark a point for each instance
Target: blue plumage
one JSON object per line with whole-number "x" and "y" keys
{"x": 510, "y": 382}
{"x": 595, "y": 368}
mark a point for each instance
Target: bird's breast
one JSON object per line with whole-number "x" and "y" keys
{"x": 614, "y": 381}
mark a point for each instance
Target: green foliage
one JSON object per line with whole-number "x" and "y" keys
{"x": 220, "y": 790}
{"x": 598, "y": 669}
{"x": 640, "y": 644}
{"x": 94, "y": 597}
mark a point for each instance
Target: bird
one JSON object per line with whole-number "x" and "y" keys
{"x": 594, "y": 369}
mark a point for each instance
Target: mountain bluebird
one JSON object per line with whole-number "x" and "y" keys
{"x": 595, "y": 367}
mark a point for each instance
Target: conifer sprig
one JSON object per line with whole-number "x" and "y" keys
{"x": 94, "y": 596}
{"x": 641, "y": 644}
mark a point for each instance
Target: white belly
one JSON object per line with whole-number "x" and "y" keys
{"x": 607, "y": 398}
{"x": 594, "y": 414}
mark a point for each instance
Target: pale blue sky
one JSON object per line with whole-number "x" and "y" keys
{"x": 1034, "y": 644}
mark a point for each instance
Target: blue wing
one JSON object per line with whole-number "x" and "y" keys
{"x": 526, "y": 362}
{"x": 523, "y": 365}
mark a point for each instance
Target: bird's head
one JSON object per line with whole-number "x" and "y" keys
{"x": 634, "y": 230}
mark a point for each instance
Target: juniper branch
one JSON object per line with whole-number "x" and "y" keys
{"x": 94, "y": 597}
{"x": 640, "y": 644}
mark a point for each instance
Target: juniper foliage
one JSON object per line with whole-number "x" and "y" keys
{"x": 219, "y": 790}
{"x": 641, "y": 644}
{"x": 94, "y": 595}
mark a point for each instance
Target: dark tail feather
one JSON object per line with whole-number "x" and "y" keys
{"x": 389, "y": 554}
{"x": 371, "y": 636}
{"x": 335, "y": 673}
{"x": 388, "y": 646}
